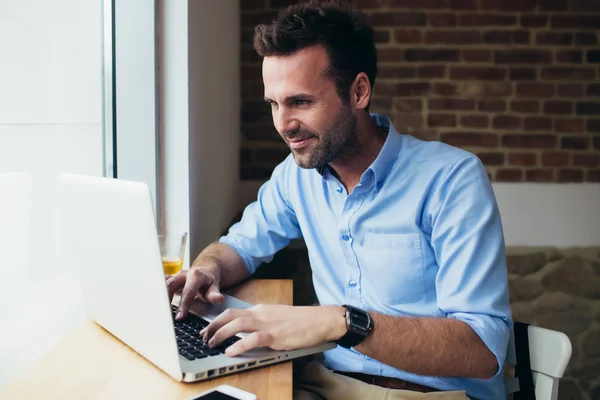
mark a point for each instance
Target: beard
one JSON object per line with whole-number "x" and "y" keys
{"x": 339, "y": 143}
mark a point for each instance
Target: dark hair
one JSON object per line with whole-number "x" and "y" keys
{"x": 343, "y": 32}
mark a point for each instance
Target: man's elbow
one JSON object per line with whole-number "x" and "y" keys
{"x": 488, "y": 366}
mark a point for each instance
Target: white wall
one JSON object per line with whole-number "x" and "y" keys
{"x": 50, "y": 121}
{"x": 561, "y": 215}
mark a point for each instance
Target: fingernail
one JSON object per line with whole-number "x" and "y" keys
{"x": 202, "y": 332}
{"x": 178, "y": 316}
{"x": 211, "y": 342}
{"x": 229, "y": 351}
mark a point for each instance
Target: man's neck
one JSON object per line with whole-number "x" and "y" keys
{"x": 370, "y": 142}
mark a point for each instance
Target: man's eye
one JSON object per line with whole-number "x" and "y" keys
{"x": 301, "y": 102}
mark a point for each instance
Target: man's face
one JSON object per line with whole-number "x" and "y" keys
{"x": 307, "y": 111}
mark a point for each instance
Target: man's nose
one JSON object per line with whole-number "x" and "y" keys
{"x": 284, "y": 122}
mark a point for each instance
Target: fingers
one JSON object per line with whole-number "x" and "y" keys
{"x": 222, "y": 319}
{"x": 174, "y": 283}
{"x": 194, "y": 280}
{"x": 255, "y": 339}
{"x": 243, "y": 324}
{"x": 213, "y": 295}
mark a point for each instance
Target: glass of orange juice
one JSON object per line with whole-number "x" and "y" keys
{"x": 172, "y": 250}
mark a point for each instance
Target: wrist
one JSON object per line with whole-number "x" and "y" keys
{"x": 335, "y": 322}
{"x": 210, "y": 268}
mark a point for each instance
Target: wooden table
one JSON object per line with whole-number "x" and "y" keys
{"x": 90, "y": 363}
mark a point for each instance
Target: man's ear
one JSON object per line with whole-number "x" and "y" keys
{"x": 361, "y": 91}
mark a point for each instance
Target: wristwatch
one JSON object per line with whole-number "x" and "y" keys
{"x": 358, "y": 324}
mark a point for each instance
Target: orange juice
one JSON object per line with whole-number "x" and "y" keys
{"x": 172, "y": 266}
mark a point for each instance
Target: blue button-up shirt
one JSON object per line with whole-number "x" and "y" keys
{"x": 420, "y": 235}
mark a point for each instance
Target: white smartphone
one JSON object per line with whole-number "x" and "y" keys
{"x": 224, "y": 392}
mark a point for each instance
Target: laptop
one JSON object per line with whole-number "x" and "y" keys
{"x": 111, "y": 235}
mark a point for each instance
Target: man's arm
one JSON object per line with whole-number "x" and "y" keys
{"x": 223, "y": 262}
{"x": 429, "y": 346}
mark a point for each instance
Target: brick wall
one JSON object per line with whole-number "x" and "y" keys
{"x": 513, "y": 81}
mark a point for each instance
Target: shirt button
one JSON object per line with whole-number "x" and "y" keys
{"x": 345, "y": 238}
{"x": 352, "y": 283}
{"x": 339, "y": 189}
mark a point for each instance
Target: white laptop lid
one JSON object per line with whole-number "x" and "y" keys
{"x": 111, "y": 234}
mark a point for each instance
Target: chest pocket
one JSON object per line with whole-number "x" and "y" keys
{"x": 392, "y": 267}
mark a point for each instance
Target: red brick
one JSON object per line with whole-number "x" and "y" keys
{"x": 425, "y": 134}
{"x": 442, "y": 19}
{"x": 523, "y": 57}
{"x": 491, "y": 158}
{"x": 593, "y": 56}
{"x": 523, "y": 74}
{"x": 593, "y": 175}
{"x": 506, "y": 37}
{"x": 585, "y": 5}
{"x": 525, "y": 106}
{"x": 558, "y": 107}
{"x": 474, "y": 121}
{"x": 537, "y": 124}
{"x": 596, "y": 143}
{"x": 588, "y": 108}
{"x": 441, "y": 120}
{"x": 469, "y": 139}
{"x": 382, "y": 105}
{"x": 381, "y": 36}
{"x": 476, "y": 55}
{"x": 256, "y": 112}
{"x": 398, "y": 18}
{"x": 569, "y": 175}
{"x": 593, "y": 125}
{"x": 255, "y": 172}
{"x": 408, "y": 105}
{"x": 251, "y": 73}
{"x": 569, "y": 56}
{"x": 509, "y": 175}
{"x": 553, "y": 38}
{"x": 396, "y": 72}
{"x": 408, "y": 121}
{"x": 568, "y": 73}
{"x": 569, "y": 90}
{"x": 539, "y": 175}
{"x": 586, "y": 160}
{"x": 443, "y": 88}
{"x": 553, "y": 5}
{"x": 586, "y": 38}
{"x": 492, "y": 105}
{"x": 529, "y": 141}
{"x": 508, "y": 122}
{"x": 484, "y": 89}
{"x": 264, "y": 17}
{"x": 462, "y": 4}
{"x": 431, "y": 71}
{"x": 419, "y": 4}
{"x": 260, "y": 133}
{"x": 508, "y": 5}
{"x": 424, "y": 54}
{"x": 282, "y": 3}
{"x": 402, "y": 89}
{"x": 451, "y": 104}
{"x": 535, "y": 90}
{"x": 575, "y": 21}
{"x": 534, "y": 21}
{"x": 479, "y": 73}
{"x": 593, "y": 90}
{"x": 453, "y": 37}
{"x": 575, "y": 143}
{"x": 249, "y": 55}
{"x": 408, "y": 36}
{"x": 487, "y": 20}
{"x": 524, "y": 159}
{"x": 568, "y": 125}
{"x": 555, "y": 159}
{"x": 390, "y": 54}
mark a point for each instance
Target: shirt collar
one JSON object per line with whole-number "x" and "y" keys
{"x": 388, "y": 154}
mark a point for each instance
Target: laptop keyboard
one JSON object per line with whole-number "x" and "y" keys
{"x": 189, "y": 342}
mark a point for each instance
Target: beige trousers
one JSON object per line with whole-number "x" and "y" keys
{"x": 315, "y": 382}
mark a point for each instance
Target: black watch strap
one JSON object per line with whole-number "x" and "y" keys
{"x": 358, "y": 324}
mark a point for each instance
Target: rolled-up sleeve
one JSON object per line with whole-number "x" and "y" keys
{"x": 468, "y": 242}
{"x": 268, "y": 224}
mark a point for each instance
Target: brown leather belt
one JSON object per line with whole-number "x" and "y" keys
{"x": 387, "y": 382}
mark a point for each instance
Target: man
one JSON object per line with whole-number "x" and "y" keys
{"x": 405, "y": 232}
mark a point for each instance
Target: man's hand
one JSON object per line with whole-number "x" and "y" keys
{"x": 197, "y": 281}
{"x": 276, "y": 326}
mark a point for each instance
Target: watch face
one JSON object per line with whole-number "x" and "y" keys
{"x": 360, "y": 321}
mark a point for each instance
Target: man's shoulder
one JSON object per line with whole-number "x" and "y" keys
{"x": 436, "y": 155}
